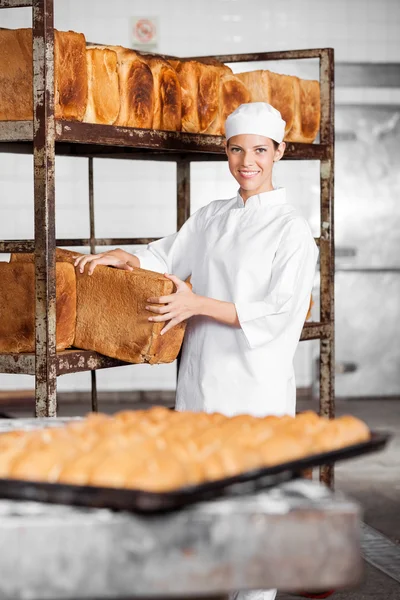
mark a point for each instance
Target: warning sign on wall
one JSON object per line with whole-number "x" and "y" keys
{"x": 144, "y": 33}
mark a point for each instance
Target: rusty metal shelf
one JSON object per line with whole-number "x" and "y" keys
{"x": 76, "y": 360}
{"x": 15, "y": 3}
{"x": 74, "y": 138}
{"x": 67, "y": 361}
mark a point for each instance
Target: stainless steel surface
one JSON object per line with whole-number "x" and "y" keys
{"x": 380, "y": 552}
{"x": 368, "y": 219}
{"x": 294, "y": 536}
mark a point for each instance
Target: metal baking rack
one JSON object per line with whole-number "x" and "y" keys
{"x": 47, "y": 137}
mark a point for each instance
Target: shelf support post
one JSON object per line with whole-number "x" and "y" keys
{"x": 93, "y": 377}
{"x": 327, "y": 248}
{"x": 182, "y": 207}
{"x": 44, "y": 202}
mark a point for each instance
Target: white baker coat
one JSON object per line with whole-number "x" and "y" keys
{"x": 261, "y": 256}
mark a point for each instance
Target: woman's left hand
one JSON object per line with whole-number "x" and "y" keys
{"x": 178, "y": 307}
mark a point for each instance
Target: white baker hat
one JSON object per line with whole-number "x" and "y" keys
{"x": 258, "y": 118}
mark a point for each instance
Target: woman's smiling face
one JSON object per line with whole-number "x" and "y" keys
{"x": 251, "y": 158}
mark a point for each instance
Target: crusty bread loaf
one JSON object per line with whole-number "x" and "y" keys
{"x": 200, "y": 94}
{"x": 17, "y": 306}
{"x": 210, "y": 92}
{"x": 103, "y": 86}
{"x": 62, "y": 255}
{"x": 71, "y": 87}
{"x": 298, "y": 101}
{"x": 136, "y": 88}
{"x": 70, "y": 75}
{"x": 112, "y": 319}
{"x": 167, "y": 94}
{"x": 160, "y": 450}
{"x": 232, "y": 93}
{"x": 16, "y": 75}
{"x": 307, "y": 113}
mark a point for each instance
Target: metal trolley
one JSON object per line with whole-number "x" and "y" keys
{"x": 49, "y": 137}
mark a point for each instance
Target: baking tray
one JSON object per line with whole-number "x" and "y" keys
{"x": 150, "y": 502}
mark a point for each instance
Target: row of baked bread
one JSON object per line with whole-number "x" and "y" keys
{"x": 104, "y": 312}
{"x": 160, "y": 449}
{"x": 113, "y": 85}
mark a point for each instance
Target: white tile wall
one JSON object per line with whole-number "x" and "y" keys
{"x": 137, "y": 199}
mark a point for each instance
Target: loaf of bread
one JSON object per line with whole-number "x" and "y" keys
{"x": 160, "y": 450}
{"x": 103, "y": 103}
{"x": 112, "y": 319}
{"x": 167, "y": 94}
{"x": 62, "y": 255}
{"x": 210, "y": 92}
{"x": 232, "y": 93}
{"x": 200, "y": 94}
{"x": 136, "y": 89}
{"x": 16, "y": 75}
{"x": 70, "y": 75}
{"x": 17, "y": 306}
{"x": 298, "y": 101}
{"x": 71, "y": 82}
{"x": 307, "y": 118}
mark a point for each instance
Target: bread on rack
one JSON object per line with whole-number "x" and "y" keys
{"x": 306, "y": 121}
{"x": 70, "y": 79}
{"x": 16, "y": 82}
{"x": 103, "y": 86}
{"x": 200, "y": 94}
{"x": 210, "y": 92}
{"x": 136, "y": 89}
{"x": 167, "y": 94}
{"x": 232, "y": 93}
{"x": 16, "y": 75}
{"x": 112, "y": 319}
{"x": 159, "y": 450}
{"x": 298, "y": 101}
{"x": 17, "y": 306}
{"x": 62, "y": 255}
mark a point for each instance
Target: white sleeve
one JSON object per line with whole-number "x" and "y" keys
{"x": 172, "y": 254}
{"x": 289, "y": 291}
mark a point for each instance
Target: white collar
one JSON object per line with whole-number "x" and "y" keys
{"x": 265, "y": 199}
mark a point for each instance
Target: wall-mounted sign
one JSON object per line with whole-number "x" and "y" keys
{"x": 144, "y": 33}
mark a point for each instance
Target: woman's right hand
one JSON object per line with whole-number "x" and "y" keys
{"x": 112, "y": 258}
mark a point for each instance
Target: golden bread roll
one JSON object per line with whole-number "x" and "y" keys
{"x": 283, "y": 447}
{"x": 160, "y": 473}
{"x": 341, "y": 432}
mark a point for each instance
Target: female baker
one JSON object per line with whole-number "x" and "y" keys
{"x": 251, "y": 260}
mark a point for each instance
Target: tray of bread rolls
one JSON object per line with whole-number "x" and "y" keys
{"x": 159, "y": 460}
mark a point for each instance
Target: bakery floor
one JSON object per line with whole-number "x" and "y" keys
{"x": 374, "y": 481}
